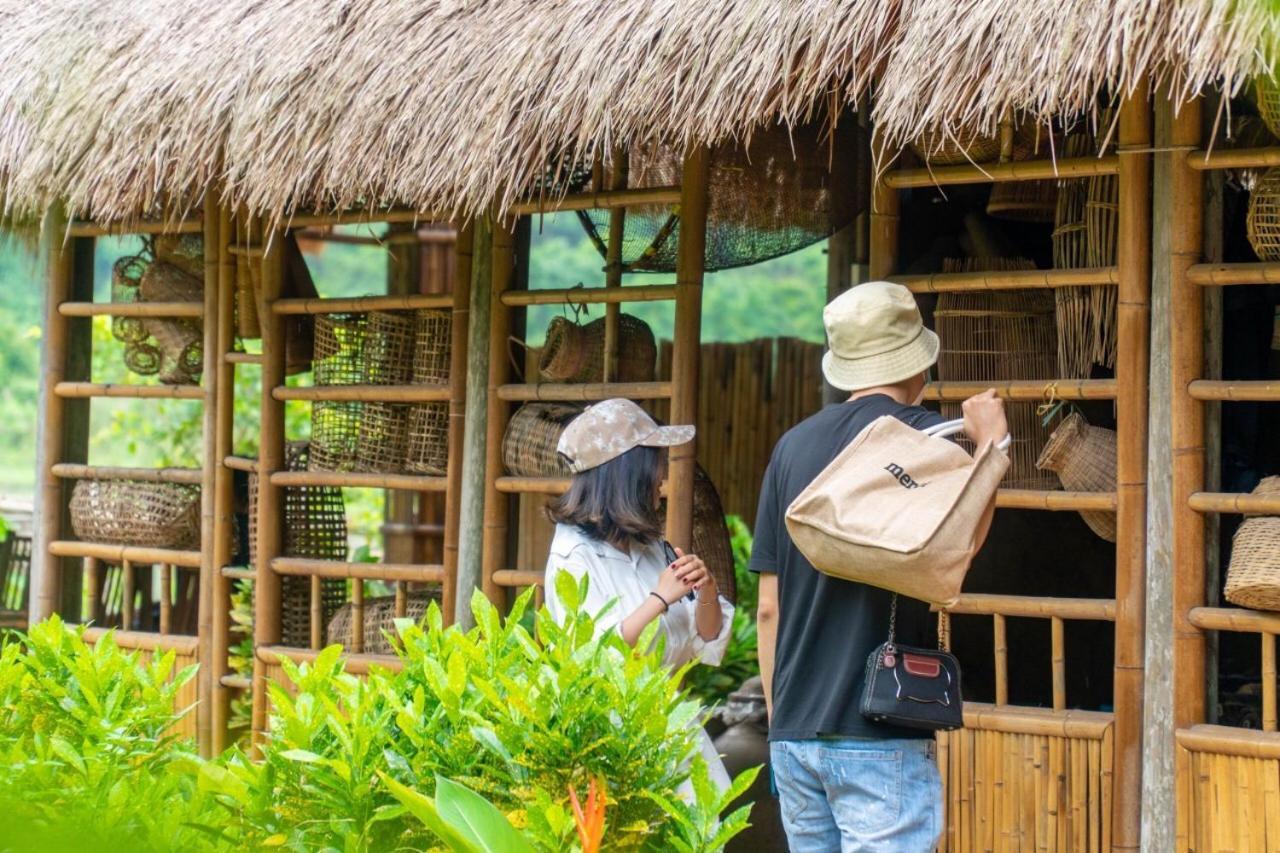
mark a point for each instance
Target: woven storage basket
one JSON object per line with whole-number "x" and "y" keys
{"x": 939, "y": 148}
{"x": 529, "y": 447}
{"x": 314, "y": 526}
{"x": 428, "y": 439}
{"x": 1084, "y": 458}
{"x": 1023, "y": 201}
{"x": 1253, "y": 577}
{"x": 388, "y": 360}
{"x": 379, "y": 616}
{"x": 339, "y": 360}
{"x": 128, "y": 512}
{"x": 574, "y": 353}
{"x": 180, "y": 340}
{"x": 1264, "y": 216}
{"x": 1001, "y": 335}
{"x": 711, "y": 539}
{"x": 1268, "y": 91}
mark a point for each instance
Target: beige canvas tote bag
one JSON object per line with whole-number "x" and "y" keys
{"x": 899, "y": 508}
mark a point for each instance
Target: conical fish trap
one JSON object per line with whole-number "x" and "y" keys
{"x": 575, "y": 353}
{"x": 1084, "y": 458}
{"x": 1253, "y": 577}
{"x": 339, "y": 360}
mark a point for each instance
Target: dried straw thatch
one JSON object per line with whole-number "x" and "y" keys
{"x": 454, "y": 104}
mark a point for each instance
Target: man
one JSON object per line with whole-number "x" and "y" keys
{"x": 847, "y": 783}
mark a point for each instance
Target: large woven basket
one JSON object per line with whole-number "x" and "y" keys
{"x": 180, "y": 340}
{"x": 939, "y": 148}
{"x": 1253, "y": 577}
{"x": 1263, "y": 221}
{"x": 428, "y": 440}
{"x": 1268, "y": 92}
{"x": 1084, "y": 458}
{"x": 379, "y": 619}
{"x": 339, "y": 360}
{"x": 129, "y": 512}
{"x": 575, "y": 353}
{"x": 529, "y": 447}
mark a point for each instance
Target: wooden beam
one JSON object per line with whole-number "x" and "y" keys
{"x": 1017, "y": 170}
{"x": 1264, "y": 390}
{"x": 1035, "y": 607}
{"x": 118, "y": 553}
{"x": 606, "y": 200}
{"x": 86, "y": 390}
{"x": 210, "y": 670}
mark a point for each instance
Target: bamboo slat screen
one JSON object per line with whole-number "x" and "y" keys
{"x": 1227, "y": 802}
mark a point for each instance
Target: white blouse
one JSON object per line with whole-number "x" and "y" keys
{"x": 628, "y": 579}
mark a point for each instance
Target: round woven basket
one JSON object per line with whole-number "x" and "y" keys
{"x": 529, "y": 447}
{"x": 141, "y": 514}
{"x": 938, "y": 148}
{"x": 1084, "y": 458}
{"x": 1253, "y": 577}
{"x": 1268, "y": 91}
{"x": 1263, "y": 221}
{"x": 574, "y": 353}
{"x": 379, "y": 617}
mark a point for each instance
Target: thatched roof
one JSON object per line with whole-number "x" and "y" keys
{"x": 452, "y": 105}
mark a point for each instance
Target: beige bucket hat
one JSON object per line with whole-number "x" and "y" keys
{"x": 875, "y": 337}
{"x": 609, "y": 429}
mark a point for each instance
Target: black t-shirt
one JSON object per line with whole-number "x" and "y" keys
{"x": 827, "y": 627}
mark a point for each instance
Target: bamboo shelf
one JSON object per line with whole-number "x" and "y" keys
{"x": 110, "y": 229}
{"x": 357, "y": 480}
{"x": 78, "y": 390}
{"x": 1234, "y": 503}
{"x": 131, "y": 309}
{"x": 1031, "y": 390}
{"x": 1219, "y": 275}
{"x": 69, "y": 471}
{"x": 122, "y": 553}
{"x": 585, "y": 392}
{"x": 1018, "y": 170}
{"x": 533, "y": 485}
{"x": 364, "y": 393}
{"x": 1055, "y": 501}
{"x": 959, "y": 282}
{"x": 242, "y": 358}
{"x": 359, "y": 304}
{"x": 1036, "y": 607}
{"x": 604, "y": 200}
{"x": 1234, "y": 619}
{"x": 357, "y": 571}
{"x": 1251, "y": 391}
{"x": 1241, "y": 158}
{"x": 593, "y": 295}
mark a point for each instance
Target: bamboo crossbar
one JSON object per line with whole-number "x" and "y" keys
{"x": 518, "y": 577}
{"x": 247, "y": 251}
{"x": 144, "y": 641}
{"x": 356, "y": 664}
{"x": 364, "y": 393}
{"x": 74, "y": 390}
{"x": 364, "y": 217}
{"x": 398, "y": 238}
{"x": 1233, "y": 502}
{"x": 1035, "y": 607}
{"x": 357, "y": 480}
{"x": 361, "y": 303}
{"x": 1018, "y": 170}
{"x": 302, "y": 567}
{"x": 69, "y": 471}
{"x": 956, "y": 282}
{"x": 585, "y": 392}
{"x": 1234, "y": 619}
{"x": 1217, "y": 275}
{"x": 241, "y": 463}
{"x": 1240, "y": 158}
{"x": 119, "y": 553}
{"x": 1055, "y": 500}
{"x": 1227, "y": 740}
{"x": 237, "y": 682}
{"x": 603, "y": 200}
{"x": 533, "y": 485}
{"x": 1033, "y": 390}
{"x": 110, "y": 229}
{"x": 1252, "y": 390}
{"x": 237, "y": 573}
{"x": 1016, "y": 720}
{"x": 131, "y": 309}
{"x": 592, "y": 295}
{"x": 242, "y": 357}
{"x": 395, "y": 528}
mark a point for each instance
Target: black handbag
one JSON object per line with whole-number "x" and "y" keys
{"x": 915, "y": 688}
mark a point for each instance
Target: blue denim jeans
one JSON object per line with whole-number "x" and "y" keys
{"x": 858, "y": 794}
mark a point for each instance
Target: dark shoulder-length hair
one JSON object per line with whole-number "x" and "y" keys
{"x": 615, "y": 502}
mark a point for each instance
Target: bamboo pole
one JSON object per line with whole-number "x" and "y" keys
{"x": 116, "y": 553}
{"x": 1268, "y": 681}
{"x": 1018, "y": 170}
{"x": 111, "y": 229}
{"x": 1221, "y": 274}
{"x": 209, "y": 671}
{"x": 364, "y": 393}
{"x": 303, "y": 567}
{"x": 613, "y": 264}
{"x": 315, "y": 622}
{"x": 83, "y": 390}
{"x": 357, "y": 616}
{"x": 518, "y": 578}
{"x": 241, "y": 463}
{"x": 224, "y": 508}
{"x": 1058, "y": 662}
{"x": 584, "y": 392}
{"x": 1030, "y": 390}
{"x": 961, "y": 282}
{"x": 533, "y": 485}
{"x": 496, "y": 507}
{"x": 1263, "y": 390}
{"x": 358, "y": 304}
{"x": 166, "y": 598}
{"x": 128, "y": 586}
{"x": 590, "y": 295}
{"x": 1133, "y": 317}
{"x": 687, "y": 344}
{"x": 70, "y": 471}
{"x": 354, "y": 664}
{"x": 1035, "y": 607}
{"x": 606, "y": 200}
{"x": 243, "y": 358}
{"x": 144, "y": 641}
{"x": 458, "y": 382}
{"x": 1232, "y": 502}
{"x": 885, "y": 214}
{"x": 1001, "y": 645}
{"x": 1240, "y": 158}
{"x": 131, "y": 309}
{"x": 271, "y": 459}
{"x": 1229, "y": 740}
{"x": 236, "y": 573}
{"x": 1235, "y": 619}
{"x": 1055, "y": 501}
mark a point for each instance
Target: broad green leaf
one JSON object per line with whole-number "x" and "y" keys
{"x": 567, "y": 591}
{"x": 424, "y": 809}
{"x": 476, "y": 817}
{"x": 303, "y": 755}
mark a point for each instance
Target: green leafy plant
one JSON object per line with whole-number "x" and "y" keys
{"x": 461, "y": 818}
{"x": 698, "y": 825}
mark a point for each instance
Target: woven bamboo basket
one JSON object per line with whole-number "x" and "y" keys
{"x": 1023, "y": 201}
{"x": 383, "y": 445}
{"x": 1253, "y": 577}
{"x": 1263, "y": 221}
{"x": 1070, "y": 237}
{"x": 575, "y": 353}
{"x": 1001, "y": 335}
{"x": 141, "y": 514}
{"x": 428, "y": 427}
{"x": 339, "y": 360}
{"x": 711, "y": 539}
{"x": 1268, "y": 92}
{"x": 379, "y": 619}
{"x": 1084, "y": 458}
{"x": 940, "y": 148}
{"x": 315, "y": 526}
{"x": 180, "y": 340}
{"x": 529, "y": 446}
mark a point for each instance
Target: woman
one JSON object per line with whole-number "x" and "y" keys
{"x": 608, "y": 528}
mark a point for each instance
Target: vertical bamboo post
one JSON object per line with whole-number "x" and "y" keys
{"x": 315, "y": 622}
{"x": 357, "y": 616}
{"x": 1268, "y": 682}
{"x": 127, "y": 592}
{"x": 166, "y": 598}
{"x": 210, "y": 462}
{"x": 885, "y": 210}
{"x": 613, "y": 264}
{"x": 687, "y": 343}
{"x": 459, "y": 328}
{"x": 840, "y": 260}
{"x": 476, "y": 479}
{"x": 92, "y": 582}
{"x": 495, "y": 503}
{"x": 1133, "y": 316}
{"x": 1001, "y": 643}
{"x": 271, "y": 459}
{"x": 1058, "y": 660}
{"x": 224, "y": 510}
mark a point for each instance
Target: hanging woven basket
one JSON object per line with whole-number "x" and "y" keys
{"x": 379, "y": 620}
{"x": 1253, "y": 577}
{"x": 1084, "y": 458}
{"x": 1268, "y": 92}
{"x": 1263, "y": 221}
{"x": 575, "y": 353}
{"x": 140, "y": 514}
{"x": 529, "y": 446}
{"x": 428, "y": 427}
{"x": 938, "y": 147}
{"x": 180, "y": 340}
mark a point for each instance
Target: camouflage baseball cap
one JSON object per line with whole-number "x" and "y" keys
{"x": 609, "y": 429}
